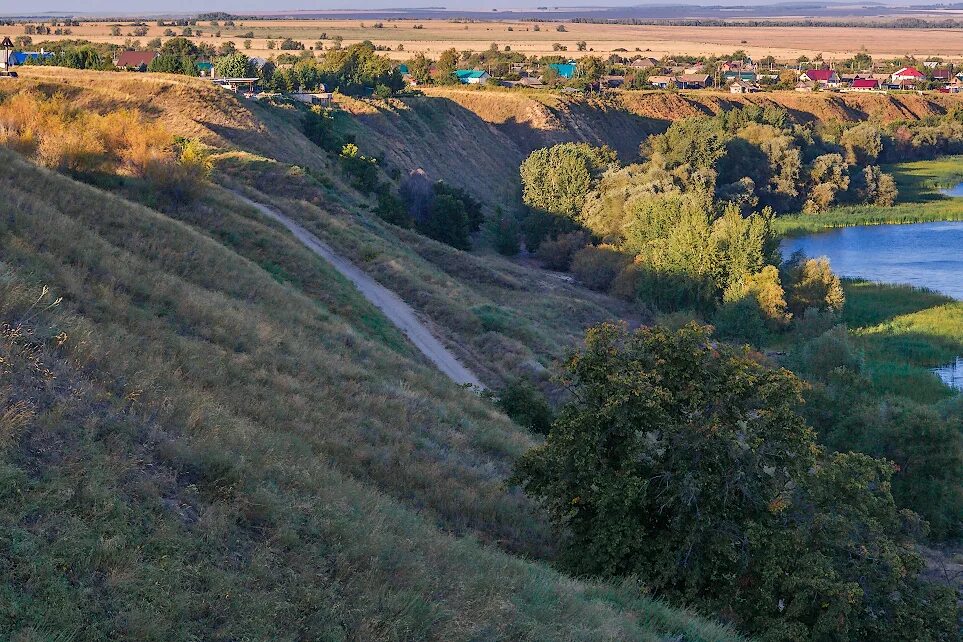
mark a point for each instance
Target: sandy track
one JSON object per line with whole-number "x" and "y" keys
{"x": 393, "y": 307}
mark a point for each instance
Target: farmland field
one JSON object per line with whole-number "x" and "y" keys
{"x": 434, "y": 36}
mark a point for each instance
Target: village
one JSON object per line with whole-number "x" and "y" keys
{"x": 255, "y": 76}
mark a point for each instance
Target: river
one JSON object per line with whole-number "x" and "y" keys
{"x": 926, "y": 255}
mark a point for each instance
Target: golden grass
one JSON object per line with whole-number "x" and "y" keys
{"x": 219, "y": 453}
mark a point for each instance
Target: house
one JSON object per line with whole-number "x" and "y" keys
{"x": 644, "y": 63}
{"x": 693, "y": 81}
{"x": 907, "y": 75}
{"x": 745, "y": 76}
{"x": 743, "y": 87}
{"x": 865, "y": 84}
{"x": 697, "y": 68}
{"x": 943, "y": 74}
{"x": 612, "y": 82}
{"x": 955, "y": 86}
{"x": 135, "y": 60}
{"x": 321, "y": 97}
{"x": 662, "y": 82}
{"x": 821, "y": 77}
{"x": 471, "y": 76}
{"x": 565, "y": 69}
{"x": 205, "y": 69}
{"x": 805, "y": 85}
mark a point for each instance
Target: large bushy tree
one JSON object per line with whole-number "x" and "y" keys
{"x": 557, "y": 179}
{"x": 686, "y": 465}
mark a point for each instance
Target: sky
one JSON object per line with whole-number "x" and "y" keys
{"x": 129, "y": 7}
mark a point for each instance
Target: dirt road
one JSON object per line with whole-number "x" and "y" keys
{"x": 393, "y": 307}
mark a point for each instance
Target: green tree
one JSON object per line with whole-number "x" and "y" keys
{"x": 446, "y": 67}
{"x": 419, "y": 66}
{"x": 557, "y": 179}
{"x": 811, "y": 283}
{"x": 685, "y": 464}
{"x": 234, "y": 65}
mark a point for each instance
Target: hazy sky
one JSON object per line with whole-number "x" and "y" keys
{"x": 117, "y": 7}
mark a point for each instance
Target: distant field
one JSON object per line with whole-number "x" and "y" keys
{"x": 434, "y": 36}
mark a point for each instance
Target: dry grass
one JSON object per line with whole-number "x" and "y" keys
{"x": 215, "y": 454}
{"x": 787, "y": 43}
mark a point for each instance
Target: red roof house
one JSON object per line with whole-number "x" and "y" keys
{"x": 821, "y": 76}
{"x": 135, "y": 59}
{"x": 865, "y": 84}
{"x": 907, "y": 73}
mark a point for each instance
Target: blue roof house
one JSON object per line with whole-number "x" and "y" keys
{"x": 471, "y": 76}
{"x": 565, "y": 69}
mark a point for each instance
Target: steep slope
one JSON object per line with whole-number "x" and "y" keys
{"x": 194, "y": 447}
{"x": 476, "y": 138}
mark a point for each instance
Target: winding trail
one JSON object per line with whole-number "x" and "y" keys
{"x": 398, "y": 312}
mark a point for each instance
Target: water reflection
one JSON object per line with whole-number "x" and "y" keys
{"x": 952, "y": 374}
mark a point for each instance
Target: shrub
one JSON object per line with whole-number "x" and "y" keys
{"x": 597, "y": 267}
{"x": 812, "y": 284}
{"x": 741, "y": 320}
{"x": 557, "y": 254}
{"x": 526, "y": 406}
{"x": 362, "y": 170}
{"x": 505, "y": 233}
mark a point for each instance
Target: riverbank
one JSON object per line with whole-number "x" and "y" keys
{"x": 904, "y": 333}
{"x": 920, "y": 201}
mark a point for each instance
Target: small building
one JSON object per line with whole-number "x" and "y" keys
{"x": 821, "y": 77}
{"x": 942, "y": 73}
{"x": 471, "y": 76}
{"x": 612, "y": 82}
{"x": 565, "y": 70}
{"x": 135, "y": 60}
{"x": 6, "y": 59}
{"x": 321, "y": 98}
{"x": 238, "y": 85}
{"x": 644, "y": 63}
{"x": 205, "y": 69}
{"x": 693, "y": 81}
{"x": 907, "y": 74}
{"x": 865, "y": 84}
{"x": 743, "y": 87}
{"x": 662, "y": 82}
{"x": 743, "y": 75}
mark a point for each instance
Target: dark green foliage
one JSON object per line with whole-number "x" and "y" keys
{"x": 527, "y": 406}
{"x": 505, "y": 233}
{"x": 392, "y": 209}
{"x": 926, "y": 443}
{"x": 741, "y": 321}
{"x": 173, "y": 64}
{"x": 362, "y": 170}
{"x": 319, "y": 128}
{"x": 597, "y": 267}
{"x": 447, "y": 221}
{"x": 687, "y": 465}
{"x": 78, "y": 54}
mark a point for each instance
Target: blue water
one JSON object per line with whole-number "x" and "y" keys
{"x": 927, "y": 255}
{"x": 954, "y": 192}
{"x": 952, "y": 374}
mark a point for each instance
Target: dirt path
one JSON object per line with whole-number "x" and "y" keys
{"x": 397, "y": 311}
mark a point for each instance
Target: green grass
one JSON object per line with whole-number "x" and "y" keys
{"x": 919, "y": 201}
{"x": 202, "y": 443}
{"x": 905, "y": 332}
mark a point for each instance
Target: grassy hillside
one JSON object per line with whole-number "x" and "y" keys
{"x": 194, "y": 448}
